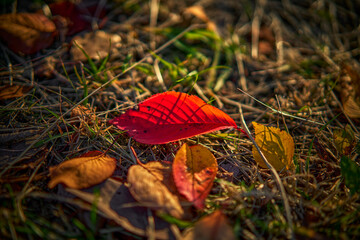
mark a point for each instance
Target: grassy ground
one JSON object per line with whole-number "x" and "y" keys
{"x": 298, "y": 58}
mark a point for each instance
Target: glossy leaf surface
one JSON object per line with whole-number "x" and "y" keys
{"x": 172, "y": 116}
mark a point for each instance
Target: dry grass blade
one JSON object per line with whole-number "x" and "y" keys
{"x": 95, "y": 91}
{"x": 275, "y": 175}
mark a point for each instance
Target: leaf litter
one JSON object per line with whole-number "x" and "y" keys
{"x": 284, "y": 54}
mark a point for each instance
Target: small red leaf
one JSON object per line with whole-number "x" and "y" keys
{"x": 171, "y": 116}
{"x": 194, "y": 170}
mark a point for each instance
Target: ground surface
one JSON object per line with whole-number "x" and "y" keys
{"x": 298, "y": 58}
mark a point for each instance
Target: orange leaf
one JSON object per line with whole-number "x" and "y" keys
{"x": 152, "y": 185}
{"x": 13, "y": 91}
{"x": 214, "y": 226}
{"x": 27, "y": 32}
{"x": 194, "y": 170}
{"x": 277, "y": 146}
{"x": 82, "y": 172}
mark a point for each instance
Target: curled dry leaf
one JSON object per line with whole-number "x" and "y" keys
{"x": 214, "y": 226}
{"x": 350, "y": 90}
{"x": 82, "y": 172}
{"x": 13, "y": 91}
{"x": 152, "y": 185}
{"x": 277, "y": 146}
{"x": 27, "y": 32}
{"x": 172, "y": 116}
{"x": 194, "y": 170}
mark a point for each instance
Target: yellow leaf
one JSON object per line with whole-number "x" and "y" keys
{"x": 344, "y": 140}
{"x": 82, "y": 172}
{"x": 277, "y": 146}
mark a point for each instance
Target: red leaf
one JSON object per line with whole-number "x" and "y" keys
{"x": 194, "y": 170}
{"x": 171, "y": 116}
{"x": 77, "y": 18}
{"x": 27, "y": 32}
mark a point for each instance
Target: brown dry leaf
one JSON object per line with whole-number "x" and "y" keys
{"x": 350, "y": 90}
{"x": 212, "y": 227}
{"x": 113, "y": 203}
{"x": 13, "y": 91}
{"x": 82, "y": 172}
{"x": 27, "y": 32}
{"x": 277, "y": 146}
{"x": 95, "y": 44}
{"x": 344, "y": 140}
{"x": 152, "y": 185}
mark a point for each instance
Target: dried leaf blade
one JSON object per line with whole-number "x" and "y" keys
{"x": 84, "y": 171}
{"x": 151, "y": 185}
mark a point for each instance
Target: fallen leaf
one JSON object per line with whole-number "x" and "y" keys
{"x": 95, "y": 44}
{"x": 212, "y": 227}
{"x": 194, "y": 170}
{"x": 82, "y": 172}
{"x": 113, "y": 203}
{"x": 27, "y": 32}
{"x": 171, "y": 116}
{"x": 151, "y": 184}
{"x": 351, "y": 174}
{"x": 277, "y": 146}
{"x": 344, "y": 140}
{"x": 350, "y": 90}
{"x": 77, "y": 18}
{"x": 13, "y": 91}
